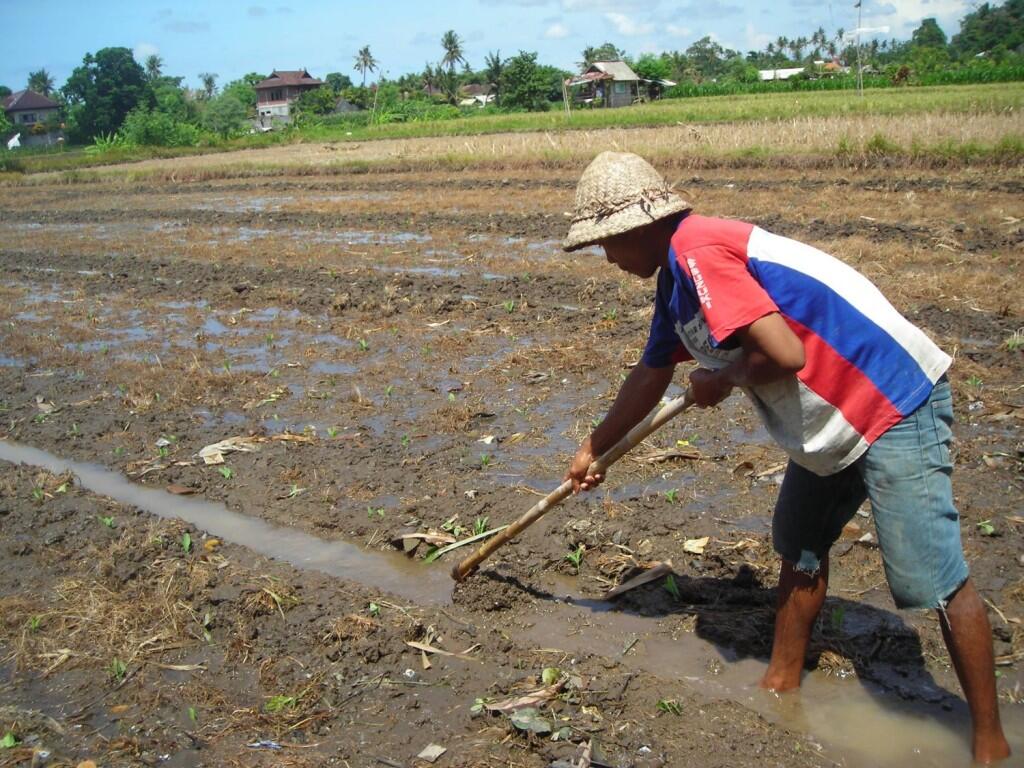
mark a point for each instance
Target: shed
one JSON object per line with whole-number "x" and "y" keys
{"x": 609, "y": 83}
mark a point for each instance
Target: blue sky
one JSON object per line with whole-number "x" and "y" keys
{"x": 232, "y": 38}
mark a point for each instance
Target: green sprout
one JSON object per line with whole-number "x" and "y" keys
{"x": 836, "y": 617}
{"x": 611, "y": 315}
{"x": 37, "y": 494}
{"x": 373, "y": 609}
{"x": 117, "y": 669}
{"x": 9, "y": 741}
{"x": 480, "y": 525}
{"x": 671, "y": 496}
{"x": 510, "y": 306}
{"x": 485, "y": 461}
{"x": 364, "y": 345}
{"x": 295, "y": 491}
{"x": 576, "y": 557}
{"x": 34, "y": 623}
{"x": 377, "y": 512}
{"x": 405, "y": 441}
{"x": 226, "y": 365}
{"x": 193, "y": 715}
{"x": 670, "y": 707}
{"x": 1015, "y": 340}
{"x": 672, "y": 588}
{"x": 974, "y": 381}
{"x": 451, "y": 397}
{"x": 280, "y": 703}
{"x": 107, "y": 521}
{"x": 226, "y": 472}
{"x": 186, "y": 542}
{"x": 985, "y": 528}
{"x": 388, "y": 390}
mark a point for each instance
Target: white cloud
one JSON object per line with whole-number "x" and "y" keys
{"x": 675, "y": 30}
{"x": 756, "y": 40}
{"x": 903, "y": 16}
{"x": 143, "y": 51}
{"x": 556, "y": 31}
{"x": 626, "y": 26}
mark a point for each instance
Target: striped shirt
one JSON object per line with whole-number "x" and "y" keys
{"x": 867, "y": 367}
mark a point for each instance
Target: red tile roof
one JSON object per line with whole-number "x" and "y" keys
{"x": 27, "y": 100}
{"x": 288, "y": 77}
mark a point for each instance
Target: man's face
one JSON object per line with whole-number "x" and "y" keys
{"x": 631, "y": 253}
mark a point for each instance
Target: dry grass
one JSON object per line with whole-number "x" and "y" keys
{"x": 799, "y": 141}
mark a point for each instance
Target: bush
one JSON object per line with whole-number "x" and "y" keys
{"x": 145, "y": 128}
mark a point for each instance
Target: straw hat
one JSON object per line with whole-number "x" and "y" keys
{"x": 618, "y": 192}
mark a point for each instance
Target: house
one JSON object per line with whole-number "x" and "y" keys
{"x": 25, "y": 109}
{"x": 779, "y": 74}
{"x": 610, "y": 83}
{"x": 276, "y": 94}
{"x": 475, "y": 95}
{"x": 30, "y": 112}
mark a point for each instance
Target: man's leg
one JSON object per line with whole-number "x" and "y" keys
{"x": 968, "y": 636}
{"x": 800, "y": 597}
{"x": 908, "y": 474}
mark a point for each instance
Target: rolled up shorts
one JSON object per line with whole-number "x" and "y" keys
{"x": 907, "y": 476}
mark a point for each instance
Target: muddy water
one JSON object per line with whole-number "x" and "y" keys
{"x": 855, "y": 722}
{"x": 390, "y": 572}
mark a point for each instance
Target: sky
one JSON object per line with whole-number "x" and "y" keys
{"x": 233, "y": 38}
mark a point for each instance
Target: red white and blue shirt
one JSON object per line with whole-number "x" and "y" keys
{"x": 867, "y": 367}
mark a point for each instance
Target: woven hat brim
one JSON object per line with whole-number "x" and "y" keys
{"x": 593, "y": 230}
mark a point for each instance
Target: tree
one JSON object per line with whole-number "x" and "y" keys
{"x": 707, "y": 57}
{"x": 365, "y": 62}
{"x": 316, "y": 101}
{"x": 928, "y": 35}
{"x": 991, "y": 27}
{"x": 154, "y": 66}
{"x": 103, "y": 90}
{"x": 209, "y": 80}
{"x": 523, "y": 83}
{"x": 5, "y": 125}
{"x": 40, "y": 81}
{"x": 493, "y": 69}
{"x": 244, "y": 89}
{"x": 337, "y": 81}
{"x": 453, "y": 54}
{"x": 604, "y": 52}
{"x": 4, "y": 91}
{"x": 224, "y": 115}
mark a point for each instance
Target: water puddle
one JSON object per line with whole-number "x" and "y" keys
{"x": 856, "y": 722}
{"x": 394, "y": 573}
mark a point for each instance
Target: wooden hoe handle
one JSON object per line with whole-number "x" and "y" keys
{"x": 633, "y": 438}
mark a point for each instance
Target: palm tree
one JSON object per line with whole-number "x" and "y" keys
{"x": 154, "y": 64}
{"x": 209, "y": 83}
{"x": 40, "y": 81}
{"x": 493, "y": 68}
{"x": 365, "y": 62}
{"x": 782, "y": 44}
{"x": 453, "y": 55}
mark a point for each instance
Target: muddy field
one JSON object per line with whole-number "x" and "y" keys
{"x": 410, "y": 353}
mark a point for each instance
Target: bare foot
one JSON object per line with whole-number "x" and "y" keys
{"x": 990, "y": 750}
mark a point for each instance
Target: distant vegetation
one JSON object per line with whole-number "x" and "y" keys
{"x": 116, "y": 107}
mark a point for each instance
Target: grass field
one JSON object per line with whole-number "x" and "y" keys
{"x": 964, "y": 122}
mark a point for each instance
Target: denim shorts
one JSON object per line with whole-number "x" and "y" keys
{"x": 906, "y": 473}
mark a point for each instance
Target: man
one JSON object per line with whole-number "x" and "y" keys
{"x": 855, "y": 394}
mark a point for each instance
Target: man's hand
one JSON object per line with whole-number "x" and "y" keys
{"x": 581, "y": 479}
{"x": 709, "y": 387}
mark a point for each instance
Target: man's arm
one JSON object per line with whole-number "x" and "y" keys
{"x": 771, "y": 351}
{"x": 639, "y": 393}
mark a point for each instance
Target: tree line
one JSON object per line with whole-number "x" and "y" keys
{"x": 111, "y": 98}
